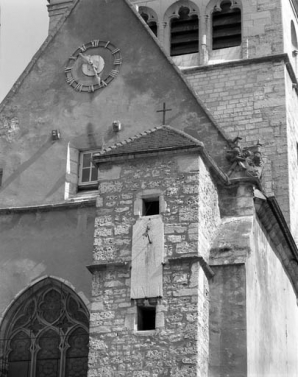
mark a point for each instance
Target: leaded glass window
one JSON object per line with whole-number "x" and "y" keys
{"x": 46, "y": 334}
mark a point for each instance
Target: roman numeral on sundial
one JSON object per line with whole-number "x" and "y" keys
{"x": 70, "y": 81}
{"x": 79, "y": 87}
{"x": 117, "y": 61}
{"x": 113, "y": 73}
{"x": 95, "y": 43}
{"x": 83, "y": 48}
{"x": 115, "y": 51}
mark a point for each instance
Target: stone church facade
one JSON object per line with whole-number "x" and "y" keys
{"x": 148, "y": 207}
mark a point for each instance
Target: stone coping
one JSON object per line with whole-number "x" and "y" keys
{"x": 71, "y": 204}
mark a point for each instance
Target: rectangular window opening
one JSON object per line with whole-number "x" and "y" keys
{"x": 146, "y": 318}
{"x": 88, "y": 173}
{"x": 150, "y": 206}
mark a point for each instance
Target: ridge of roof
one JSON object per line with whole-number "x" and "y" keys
{"x": 192, "y": 142}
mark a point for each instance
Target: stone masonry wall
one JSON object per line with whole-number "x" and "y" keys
{"x": 179, "y": 344}
{"x": 209, "y": 217}
{"x": 248, "y": 99}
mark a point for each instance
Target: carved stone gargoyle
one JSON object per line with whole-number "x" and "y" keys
{"x": 247, "y": 158}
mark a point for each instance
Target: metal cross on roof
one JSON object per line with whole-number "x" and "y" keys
{"x": 164, "y": 110}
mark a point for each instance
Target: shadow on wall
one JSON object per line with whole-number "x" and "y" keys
{"x": 27, "y": 164}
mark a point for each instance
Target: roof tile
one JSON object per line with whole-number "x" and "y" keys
{"x": 157, "y": 138}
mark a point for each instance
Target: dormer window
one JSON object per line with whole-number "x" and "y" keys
{"x": 226, "y": 26}
{"x": 184, "y": 33}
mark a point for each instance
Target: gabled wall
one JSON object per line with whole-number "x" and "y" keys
{"x": 34, "y": 167}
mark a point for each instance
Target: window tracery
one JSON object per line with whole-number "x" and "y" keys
{"x": 150, "y": 17}
{"x": 47, "y": 334}
{"x": 184, "y": 28}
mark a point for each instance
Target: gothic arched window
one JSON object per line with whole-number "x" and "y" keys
{"x": 226, "y": 25}
{"x": 45, "y": 333}
{"x": 184, "y": 33}
{"x": 150, "y": 18}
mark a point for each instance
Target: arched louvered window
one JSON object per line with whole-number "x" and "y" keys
{"x": 184, "y": 33}
{"x": 226, "y": 26}
{"x": 45, "y": 333}
{"x": 150, "y": 18}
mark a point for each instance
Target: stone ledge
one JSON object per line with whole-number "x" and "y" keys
{"x": 90, "y": 202}
{"x": 194, "y": 258}
{"x": 145, "y": 333}
{"x": 263, "y": 59}
{"x": 102, "y": 266}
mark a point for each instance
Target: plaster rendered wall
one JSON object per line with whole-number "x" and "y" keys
{"x": 292, "y": 121}
{"x": 272, "y": 314}
{"x": 179, "y": 345}
{"x": 228, "y": 338}
{"x": 249, "y": 100}
{"x": 36, "y": 244}
{"x": 34, "y": 167}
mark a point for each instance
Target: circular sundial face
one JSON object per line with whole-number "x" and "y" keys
{"x": 95, "y": 61}
{"x": 93, "y": 66}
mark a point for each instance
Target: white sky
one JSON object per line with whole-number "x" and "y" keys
{"x": 24, "y": 27}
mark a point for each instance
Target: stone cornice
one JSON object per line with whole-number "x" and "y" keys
{"x": 102, "y": 266}
{"x": 241, "y": 62}
{"x": 90, "y": 202}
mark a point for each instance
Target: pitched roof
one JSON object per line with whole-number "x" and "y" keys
{"x": 161, "y": 138}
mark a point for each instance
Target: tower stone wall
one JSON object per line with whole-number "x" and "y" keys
{"x": 178, "y": 346}
{"x": 255, "y": 99}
